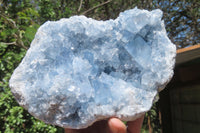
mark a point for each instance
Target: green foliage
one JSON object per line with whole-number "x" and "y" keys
{"x": 152, "y": 121}
{"x": 18, "y": 25}
{"x": 46, "y": 10}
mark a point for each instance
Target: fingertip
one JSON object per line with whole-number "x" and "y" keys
{"x": 116, "y": 126}
{"x": 70, "y": 130}
{"x": 135, "y": 126}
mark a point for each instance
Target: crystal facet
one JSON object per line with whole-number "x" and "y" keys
{"x": 80, "y": 70}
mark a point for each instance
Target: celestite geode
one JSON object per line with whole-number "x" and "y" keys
{"x": 79, "y": 70}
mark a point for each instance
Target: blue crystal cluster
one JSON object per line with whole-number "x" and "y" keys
{"x": 80, "y": 70}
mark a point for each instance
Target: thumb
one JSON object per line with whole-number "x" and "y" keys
{"x": 116, "y": 126}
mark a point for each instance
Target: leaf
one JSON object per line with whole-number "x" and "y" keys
{"x": 30, "y": 31}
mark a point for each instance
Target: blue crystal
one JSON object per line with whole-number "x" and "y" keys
{"x": 79, "y": 70}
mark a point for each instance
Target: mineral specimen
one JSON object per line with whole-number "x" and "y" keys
{"x": 79, "y": 70}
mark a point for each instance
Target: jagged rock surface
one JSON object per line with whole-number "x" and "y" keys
{"x": 80, "y": 70}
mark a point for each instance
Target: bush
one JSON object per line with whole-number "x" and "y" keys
{"x": 152, "y": 121}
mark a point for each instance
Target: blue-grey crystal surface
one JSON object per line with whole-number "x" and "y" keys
{"x": 80, "y": 70}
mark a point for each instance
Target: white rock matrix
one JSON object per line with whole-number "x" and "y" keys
{"x": 79, "y": 70}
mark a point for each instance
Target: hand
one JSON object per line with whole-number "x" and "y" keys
{"x": 113, "y": 125}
